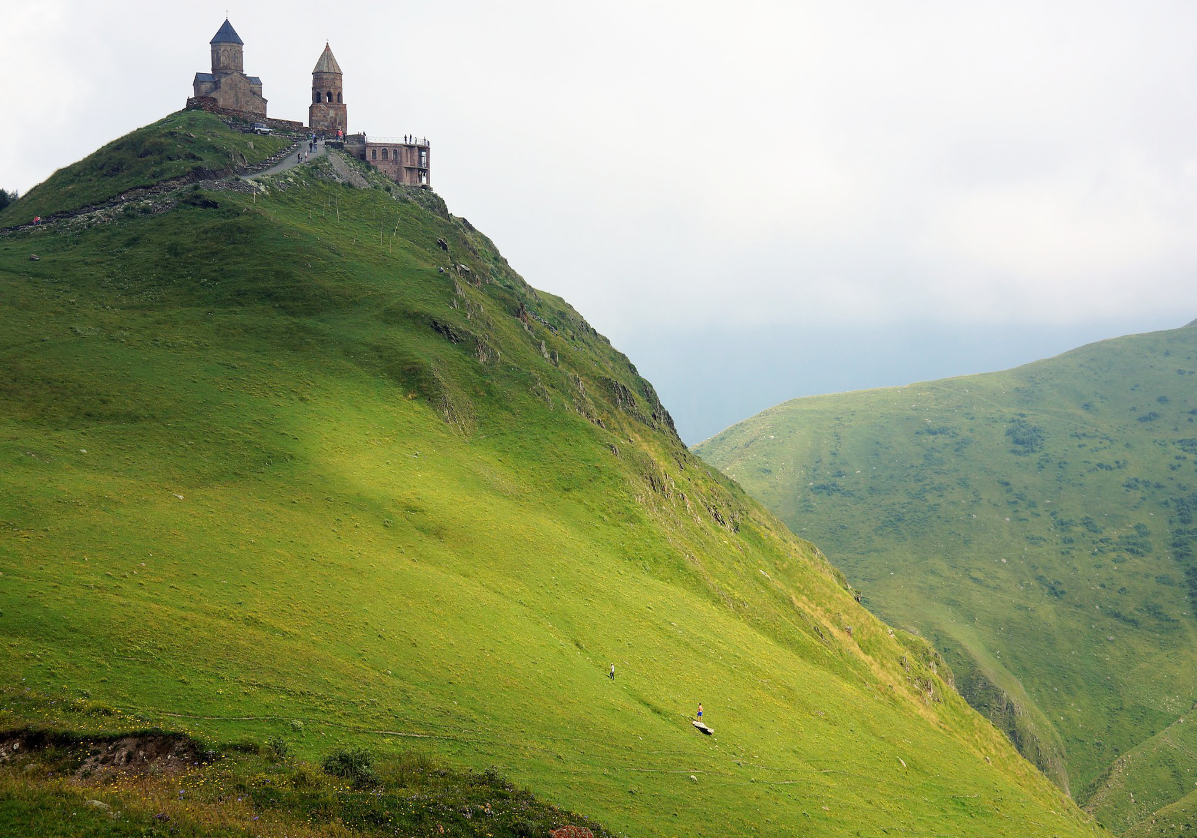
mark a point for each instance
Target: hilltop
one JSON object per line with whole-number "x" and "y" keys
{"x": 310, "y": 462}
{"x": 1037, "y": 526}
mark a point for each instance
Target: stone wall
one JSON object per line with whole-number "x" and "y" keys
{"x": 326, "y": 118}
{"x": 209, "y": 104}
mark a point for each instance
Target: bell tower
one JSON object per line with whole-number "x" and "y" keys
{"x": 228, "y": 51}
{"x": 326, "y": 114}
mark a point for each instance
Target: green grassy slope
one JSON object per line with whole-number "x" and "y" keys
{"x": 184, "y": 143}
{"x": 1152, "y": 776}
{"x": 1178, "y": 818}
{"x": 275, "y": 460}
{"x": 150, "y": 784}
{"x": 1036, "y": 524}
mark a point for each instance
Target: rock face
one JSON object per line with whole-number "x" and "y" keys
{"x": 161, "y": 753}
{"x": 572, "y": 832}
{"x": 345, "y": 173}
{"x": 1035, "y": 740}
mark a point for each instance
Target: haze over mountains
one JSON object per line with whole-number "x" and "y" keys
{"x": 310, "y": 464}
{"x": 1037, "y": 526}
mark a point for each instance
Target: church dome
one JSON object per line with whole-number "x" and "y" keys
{"x": 327, "y": 63}
{"x": 227, "y": 35}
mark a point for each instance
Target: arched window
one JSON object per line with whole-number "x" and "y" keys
{"x": 395, "y": 153}
{"x": 328, "y": 96}
{"x": 338, "y": 97}
{"x": 373, "y": 154}
{"x": 384, "y": 154}
{"x": 315, "y": 97}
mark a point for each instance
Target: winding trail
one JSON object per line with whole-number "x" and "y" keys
{"x": 291, "y": 160}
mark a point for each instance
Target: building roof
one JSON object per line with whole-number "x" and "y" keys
{"x": 204, "y": 77}
{"x": 327, "y": 64}
{"x": 227, "y": 35}
{"x": 254, "y": 80}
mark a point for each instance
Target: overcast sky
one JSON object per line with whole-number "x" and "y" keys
{"x": 755, "y": 200}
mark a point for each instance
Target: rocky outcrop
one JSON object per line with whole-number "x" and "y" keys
{"x": 1034, "y": 738}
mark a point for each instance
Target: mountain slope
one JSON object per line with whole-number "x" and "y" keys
{"x": 188, "y": 144}
{"x": 286, "y": 457}
{"x": 1036, "y": 524}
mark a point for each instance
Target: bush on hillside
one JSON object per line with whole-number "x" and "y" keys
{"x": 276, "y": 749}
{"x": 1027, "y": 438}
{"x": 355, "y": 765}
{"x": 7, "y": 198}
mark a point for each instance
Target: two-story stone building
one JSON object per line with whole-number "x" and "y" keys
{"x": 402, "y": 160}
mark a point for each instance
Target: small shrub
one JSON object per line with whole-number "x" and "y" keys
{"x": 491, "y": 777}
{"x": 1026, "y": 438}
{"x": 305, "y": 780}
{"x": 276, "y": 749}
{"x": 355, "y": 765}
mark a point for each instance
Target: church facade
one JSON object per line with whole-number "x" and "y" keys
{"x": 227, "y": 84}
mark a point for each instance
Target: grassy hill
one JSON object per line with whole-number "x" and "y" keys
{"x": 315, "y": 465}
{"x": 184, "y": 144}
{"x": 1036, "y": 525}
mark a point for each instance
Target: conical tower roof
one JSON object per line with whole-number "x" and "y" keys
{"x": 327, "y": 63}
{"x": 227, "y": 35}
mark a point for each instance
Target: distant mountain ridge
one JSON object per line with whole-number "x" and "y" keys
{"x": 1036, "y": 524}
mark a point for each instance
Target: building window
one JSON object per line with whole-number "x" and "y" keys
{"x": 315, "y": 97}
{"x": 338, "y": 97}
{"x": 424, "y": 158}
{"x": 384, "y": 154}
{"x": 328, "y": 97}
{"x": 373, "y": 154}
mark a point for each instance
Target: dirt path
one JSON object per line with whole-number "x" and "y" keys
{"x": 291, "y": 160}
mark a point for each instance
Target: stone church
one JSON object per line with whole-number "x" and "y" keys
{"x": 229, "y": 91}
{"x": 227, "y": 83}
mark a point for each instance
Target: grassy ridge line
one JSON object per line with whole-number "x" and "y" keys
{"x": 371, "y": 498}
{"x": 180, "y": 144}
{"x": 1152, "y": 777}
{"x": 1031, "y": 523}
{"x": 1177, "y": 818}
